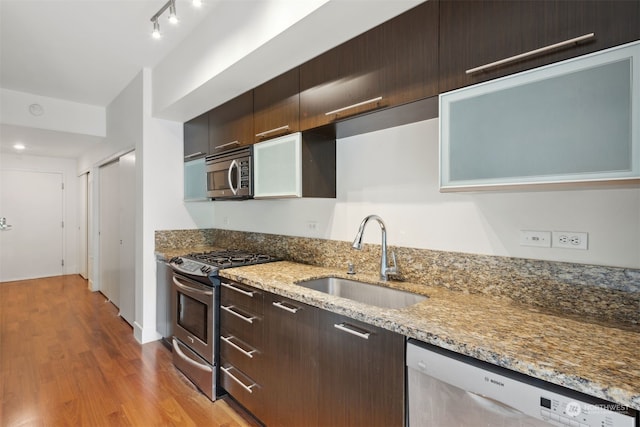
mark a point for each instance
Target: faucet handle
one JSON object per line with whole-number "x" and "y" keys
{"x": 394, "y": 268}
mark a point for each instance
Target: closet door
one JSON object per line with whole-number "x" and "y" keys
{"x": 110, "y": 232}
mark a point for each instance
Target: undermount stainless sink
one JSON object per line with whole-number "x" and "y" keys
{"x": 365, "y": 293}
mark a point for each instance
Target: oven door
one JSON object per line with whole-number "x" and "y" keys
{"x": 193, "y": 315}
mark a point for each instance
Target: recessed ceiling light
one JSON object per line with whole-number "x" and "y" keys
{"x": 19, "y": 146}
{"x": 197, "y": 3}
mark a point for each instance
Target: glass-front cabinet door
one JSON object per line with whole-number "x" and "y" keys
{"x": 573, "y": 122}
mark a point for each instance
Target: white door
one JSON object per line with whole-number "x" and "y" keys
{"x": 109, "y": 232}
{"x": 127, "y": 170}
{"x": 32, "y": 203}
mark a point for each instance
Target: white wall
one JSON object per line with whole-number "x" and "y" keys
{"x": 394, "y": 173}
{"x": 67, "y": 167}
{"x": 159, "y": 180}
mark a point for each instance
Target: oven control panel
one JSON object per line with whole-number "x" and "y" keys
{"x": 191, "y": 267}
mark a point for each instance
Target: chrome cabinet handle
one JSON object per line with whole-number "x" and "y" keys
{"x": 237, "y": 347}
{"x": 187, "y": 359}
{"x": 285, "y": 307}
{"x": 189, "y": 288}
{"x": 359, "y": 104}
{"x": 229, "y": 309}
{"x": 345, "y": 327}
{"x": 228, "y": 144}
{"x": 530, "y": 53}
{"x": 267, "y": 132}
{"x": 199, "y": 153}
{"x": 234, "y": 288}
{"x": 248, "y": 388}
{"x": 234, "y": 164}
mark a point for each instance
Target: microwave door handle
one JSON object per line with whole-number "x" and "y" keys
{"x": 234, "y": 164}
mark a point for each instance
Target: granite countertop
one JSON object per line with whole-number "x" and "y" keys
{"x": 592, "y": 358}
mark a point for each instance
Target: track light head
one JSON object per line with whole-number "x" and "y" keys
{"x": 173, "y": 18}
{"x": 156, "y": 29}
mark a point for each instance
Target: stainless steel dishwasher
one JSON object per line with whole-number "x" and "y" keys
{"x": 448, "y": 389}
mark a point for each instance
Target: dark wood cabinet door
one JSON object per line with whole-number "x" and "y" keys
{"x": 276, "y": 106}
{"x": 231, "y": 124}
{"x": 478, "y": 32}
{"x": 362, "y": 374}
{"x": 292, "y": 363}
{"x": 394, "y": 63}
{"x": 196, "y": 137}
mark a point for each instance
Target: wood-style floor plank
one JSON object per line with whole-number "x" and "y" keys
{"x": 68, "y": 359}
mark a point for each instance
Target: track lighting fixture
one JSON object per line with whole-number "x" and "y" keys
{"x": 173, "y": 17}
{"x": 156, "y": 29}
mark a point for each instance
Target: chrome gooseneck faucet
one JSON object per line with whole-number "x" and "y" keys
{"x": 385, "y": 270}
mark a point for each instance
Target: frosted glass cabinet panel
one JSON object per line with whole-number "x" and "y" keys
{"x": 195, "y": 181}
{"x": 277, "y": 167}
{"x": 575, "y": 121}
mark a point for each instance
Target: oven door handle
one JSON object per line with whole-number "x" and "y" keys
{"x": 234, "y": 164}
{"x": 187, "y": 359}
{"x": 190, "y": 289}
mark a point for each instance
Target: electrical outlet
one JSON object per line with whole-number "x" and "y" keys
{"x": 535, "y": 238}
{"x": 312, "y": 225}
{"x": 570, "y": 240}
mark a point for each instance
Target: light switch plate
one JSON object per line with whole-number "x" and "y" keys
{"x": 535, "y": 238}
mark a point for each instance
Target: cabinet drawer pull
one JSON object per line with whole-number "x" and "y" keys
{"x": 235, "y": 288}
{"x": 237, "y": 347}
{"x": 267, "y": 132}
{"x": 228, "y": 144}
{"x": 240, "y": 383}
{"x": 229, "y": 309}
{"x": 188, "y": 156}
{"x": 530, "y": 53}
{"x": 286, "y": 307}
{"x": 345, "y": 327}
{"x": 359, "y": 104}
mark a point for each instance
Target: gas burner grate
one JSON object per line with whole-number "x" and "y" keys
{"x": 230, "y": 258}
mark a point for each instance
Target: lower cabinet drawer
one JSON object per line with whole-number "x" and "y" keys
{"x": 244, "y": 389}
{"x": 242, "y": 355}
{"x": 242, "y": 323}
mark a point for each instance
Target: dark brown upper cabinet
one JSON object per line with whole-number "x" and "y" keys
{"x": 392, "y": 64}
{"x": 231, "y": 124}
{"x": 196, "y": 137}
{"x": 276, "y": 106}
{"x": 474, "y": 33}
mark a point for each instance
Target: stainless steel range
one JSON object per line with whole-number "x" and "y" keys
{"x": 195, "y": 311}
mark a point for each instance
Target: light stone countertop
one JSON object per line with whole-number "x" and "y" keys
{"x": 597, "y": 360}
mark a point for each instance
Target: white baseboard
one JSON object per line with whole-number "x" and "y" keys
{"x": 143, "y": 335}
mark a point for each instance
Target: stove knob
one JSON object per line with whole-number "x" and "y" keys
{"x": 205, "y": 269}
{"x": 176, "y": 260}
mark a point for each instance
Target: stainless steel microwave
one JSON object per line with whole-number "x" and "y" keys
{"x": 230, "y": 174}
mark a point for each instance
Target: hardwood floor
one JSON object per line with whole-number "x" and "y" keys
{"x": 68, "y": 359}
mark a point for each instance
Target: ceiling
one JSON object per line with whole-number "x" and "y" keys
{"x": 88, "y": 51}
{"x": 84, "y": 51}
